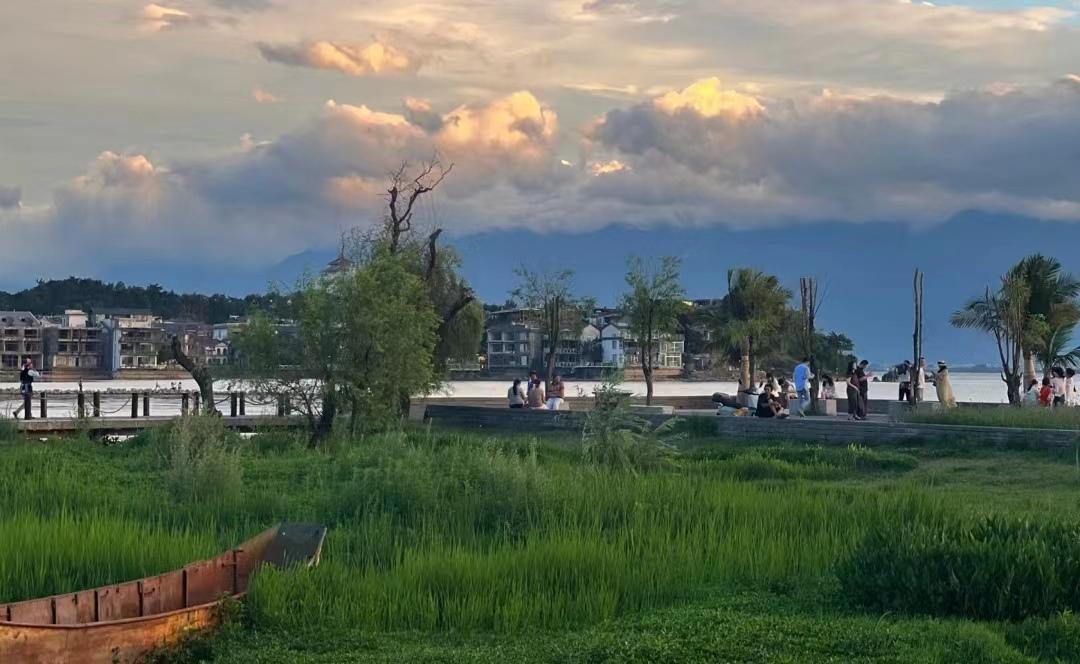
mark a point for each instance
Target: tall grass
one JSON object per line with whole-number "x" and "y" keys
{"x": 1002, "y": 416}
{"x": 67, "y": 552}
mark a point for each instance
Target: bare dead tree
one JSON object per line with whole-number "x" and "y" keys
{"x": 810, "y": 297}
{"x": 200, "y": 373}
{"x": 405, "y": 191}
{"x": 917, "y": 339}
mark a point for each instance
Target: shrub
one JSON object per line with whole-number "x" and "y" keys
{"x": 614, "y": 436}
{"x": 1054, "y": 639}
{"x": 202, "y": 461}
{"x": 993, "y": 568}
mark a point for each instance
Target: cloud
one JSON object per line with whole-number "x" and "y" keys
{"x": 373, "y": 59}
{"x": 264, "y": 97}
{"x": 244, "y": 5}
{"x": 10, "y": 197}
{"x": 420, "y": 113}
{"x": 703, "y": 155}
{"x": 859, "y": 159}
{"x": 709, "y": 99}
{"x": 158, "y": 17}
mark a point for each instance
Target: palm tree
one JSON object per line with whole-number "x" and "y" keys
{"x": 1003, "y": 314}
{"x": 1054, "y": 348}
{"x": 752, "y": 311}
{"x": 1051, "y": 305}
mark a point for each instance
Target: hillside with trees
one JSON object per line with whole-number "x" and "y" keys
{"x": 52, "y": 297}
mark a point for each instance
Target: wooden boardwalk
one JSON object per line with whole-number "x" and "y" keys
{"x": 133, "y": 425}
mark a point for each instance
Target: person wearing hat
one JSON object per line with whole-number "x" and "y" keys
{"x": 944, "y": 387}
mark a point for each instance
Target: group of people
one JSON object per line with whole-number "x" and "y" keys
{"x": 777, "y": 397}
{"x": 1056, "y": 390}
{"x": 535, "y": 396}
{"x": 915, "y": 387}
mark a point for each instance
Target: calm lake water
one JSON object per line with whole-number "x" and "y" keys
{"x": 977, "y": 387}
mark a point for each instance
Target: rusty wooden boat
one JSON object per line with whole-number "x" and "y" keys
{"x": 121, "y": 623}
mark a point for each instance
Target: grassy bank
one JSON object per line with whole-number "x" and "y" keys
{"x": 1003, "y": 416}
{"x": 476, "y": 548}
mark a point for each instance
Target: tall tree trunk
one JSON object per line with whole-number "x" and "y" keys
{"x": 325, "y": 426}
{"x": 647, "y": 370}
{"x": 1012, "y": 383}
{"x": 1029, "y": 367}
{"x": 815, "y": 384}
{"x": 744, "y": 373}
{"x": 202, "y": 376}
{"x": 752, "y": 359}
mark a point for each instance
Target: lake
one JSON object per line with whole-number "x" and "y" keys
{"x": 969, "y": 387}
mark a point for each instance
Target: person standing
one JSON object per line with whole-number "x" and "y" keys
{"x": 1057, "y": 383}
{"x": 853, "y": 395}
{"x": 944, "y": 387}
{"x": 864, "y": 376}
{"x": 1070, "y": 387}
{"x": 904, "y": 374}
{"x": 536, "y": 396}
{"x": 1046, "y": 394}
{"x": 920, "y": 381}
{"x": 802, "y": 385}
{"x": 516, "y": 395}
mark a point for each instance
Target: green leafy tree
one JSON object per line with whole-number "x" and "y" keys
{"x": 652, "y": 303}
{"x": 366, "y": 336}
{"x": 752, "y": 313}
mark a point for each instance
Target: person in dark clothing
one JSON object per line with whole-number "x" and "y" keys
{"x": 766, "y": 406}
{"x": 854, "y": 396}
{"x": 26, "y": 377}
{"x": 864, "y": 387}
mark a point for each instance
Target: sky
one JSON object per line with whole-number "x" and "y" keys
{"x": 215, "y": 144}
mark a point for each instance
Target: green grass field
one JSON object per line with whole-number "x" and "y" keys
{"x": 451, "y": 546}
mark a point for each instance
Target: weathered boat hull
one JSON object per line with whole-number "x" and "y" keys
{"x": 121, "y": 623}
{"x": 119, "y": 642}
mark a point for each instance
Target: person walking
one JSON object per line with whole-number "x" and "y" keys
{"x": 536, "y": 396}
{"x": 26, "y": 386}
{"x": 944, "y": 387}
{"x": 516, "y": 395}
{"x": 557, "y": 394}
{"x": 802, "y": 385}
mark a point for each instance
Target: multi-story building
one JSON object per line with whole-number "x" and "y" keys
{"x": 134, "y": 338}
{"x": 621, "y": 349}
{"x": 73, "y": 344}
{"x": 513, "y": 340}
{"x": 21, "y": 339}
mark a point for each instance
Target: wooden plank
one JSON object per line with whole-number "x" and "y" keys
{"x": 118, "y": 602}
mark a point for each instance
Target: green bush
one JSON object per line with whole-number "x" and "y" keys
{"x": 993, "y": 568}
{"x": 1054, "y": 639}
{"x": 202, "y": 460}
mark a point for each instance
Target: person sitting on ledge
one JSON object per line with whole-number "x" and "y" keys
{"x": 516, "y": 395}
{"x": 769, "y": 406}
{"x": 536, "y": 396}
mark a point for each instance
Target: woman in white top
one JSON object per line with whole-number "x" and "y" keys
{"x": 1057, "y": 383}
{"x": 516, "y": 395}
{"x": 1070, "y": 387}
